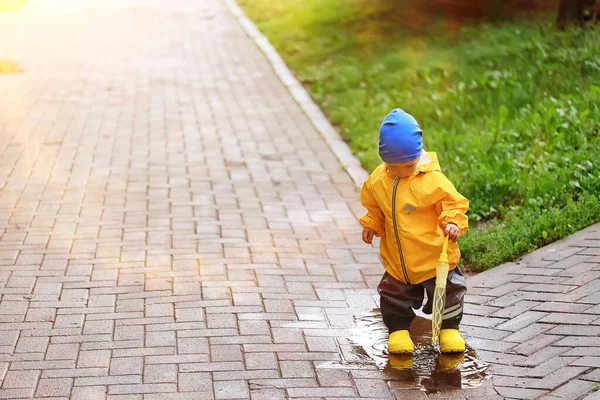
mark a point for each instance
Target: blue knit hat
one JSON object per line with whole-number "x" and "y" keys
{"x": 400, "y": 138}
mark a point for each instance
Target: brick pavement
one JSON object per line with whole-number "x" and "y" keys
{"x": 538, "y": 321}
{"x": 173, "y": 227}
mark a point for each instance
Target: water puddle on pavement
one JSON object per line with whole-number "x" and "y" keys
{"x": 426, "y": 370}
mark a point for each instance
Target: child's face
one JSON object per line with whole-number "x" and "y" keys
{"x": 402, "y": 170}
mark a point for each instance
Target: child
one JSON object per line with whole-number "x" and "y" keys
{"x": 411, "y": 206}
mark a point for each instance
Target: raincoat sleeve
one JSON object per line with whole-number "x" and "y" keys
{"x": 374, "y": 218}
{"x": 451, "y": 205}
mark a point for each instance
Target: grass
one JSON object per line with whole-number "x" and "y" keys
{"x": 512, "y": 108}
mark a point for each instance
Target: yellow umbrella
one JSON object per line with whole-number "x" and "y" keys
{"x": 439, "y": 296}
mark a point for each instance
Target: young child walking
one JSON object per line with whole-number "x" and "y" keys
{"x": 411, "y": 206}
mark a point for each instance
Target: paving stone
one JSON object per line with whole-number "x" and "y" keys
{"x": 37, "y": 365}
{"x": 288, "y": 335}
{"x": 176, "y": 359}
{"x": 529, "y": 332}
{"x": 494, "y": 279}
{"x": 521, "y": 321}
{"x": 117, "y": 380}
{"x": 225, "y": 353}
{"x": 296, "y": 369}
{"x": 245, "y": 375}
{"x": 491, "y": 345}
{"x": 582, "y": 351}
{"x": 62, "y": 351}
{"x": 285, "y": 383}
{"x": 594, "y": 375}
{"x": 32, "y": 345}
{"x": 98, "y": 327}
{"x": 560, "y": 254}
{"x": 261, "y": 361}
{"x": 373, "y": 388}
{"x": 579, "y": 341}
{"x": 126, "y": 366}
{"x": 88, "y": 393}
{"x": 513, "y": 381}
{"x": 268, "y": 394}
{"x": 308, "y": 356}
{"x": 551, "y": 366}
{"x": 333, "y": 377}
{"x": 499, "y": 358}
{"x": 17, "y": 393}
{"x": 74, "y": 373}
{"x": 20, "y": 379}
{"x": 574, "y": 389}
{"x": 9, "y": 338}
{"x": 593, "y": 396}
{"x": 562, "y": 307}
{"x": 535, "y": 344}
{"x": 575, "y": 330}
{"x": 516, "y": 309}
{"x": 195, "y": 382}
{"x": 94, "y": 359}
{"x": 587, "y": 362}
{"x": 519, "y": 393}
{"x": 541, "y": 356}
{"x": 510, "y": 370}
{"x": 568, "y": 319}
{"x": 481, "y": 322}
{"x": 54, "y": 387}
{"x": 231, "y": 390}
{"x": 160, "y": 339}
{"x": 559, "y": 377}
{"x": 478, "y": 299}
{"x": 160, "y": 374}
{"x": 213, "y": 366}
{"x": 192, "y": 345}
{"x": 548, "y": 288}
{"x": 142, "y": 388}
{"x": 180, "y": 396}
{"x": 321, "y": 392}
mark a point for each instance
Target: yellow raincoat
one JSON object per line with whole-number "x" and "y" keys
{"x": 410, "y": 215}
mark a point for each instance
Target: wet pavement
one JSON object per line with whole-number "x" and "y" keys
{"x": 427, "y": 370}
{"x": 173, "y": 227}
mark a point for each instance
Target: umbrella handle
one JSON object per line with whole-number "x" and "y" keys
{"x": 441, "y": 269}
{"x": 444, "y": 255}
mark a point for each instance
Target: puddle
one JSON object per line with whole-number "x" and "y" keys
{"x": 9, "y": 67}
{"x": 426, "y": 370}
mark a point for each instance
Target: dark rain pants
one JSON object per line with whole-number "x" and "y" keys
{"x": 398, "y": 300}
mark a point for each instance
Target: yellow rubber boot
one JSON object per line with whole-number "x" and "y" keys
{"x": 400, "y": 342}
{"x": 450, "y": 361}
{"x": 451, "y": 341}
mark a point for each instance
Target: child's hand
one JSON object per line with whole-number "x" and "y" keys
{"x": 367, "y": 235}
{"x": 451, "y": 231}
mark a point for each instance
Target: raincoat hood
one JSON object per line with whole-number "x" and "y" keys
{"x": 400, "y": 138}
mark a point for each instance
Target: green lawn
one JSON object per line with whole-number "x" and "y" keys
{"x": 512, "y": 109}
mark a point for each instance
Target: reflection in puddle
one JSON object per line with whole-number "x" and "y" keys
{"x": 425, "y": 370}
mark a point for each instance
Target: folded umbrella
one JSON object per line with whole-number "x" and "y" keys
{"x": 439, "y": 296}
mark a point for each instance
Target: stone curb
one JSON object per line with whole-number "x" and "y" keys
{"x": 331, "y": 136}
